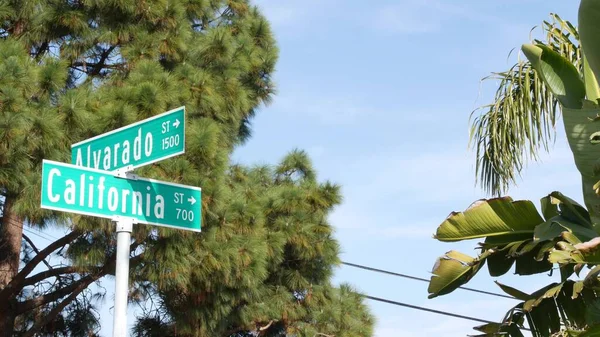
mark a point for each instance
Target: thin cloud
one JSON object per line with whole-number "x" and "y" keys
{"x": 351, "y": 218}
{"x": 329, "y": 111}
{"x": 284, "y": 14}
{"x": 427, "y": 16}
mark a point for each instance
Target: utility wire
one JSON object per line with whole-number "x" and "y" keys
{"x": 406, "y": 305}
{"x": 422, "y": 279}
{"x": 38, "y": 234}
{"x": 45, "y": 236}
{"x": 439, "y": 312}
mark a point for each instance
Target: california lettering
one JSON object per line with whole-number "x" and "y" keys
{"x": 88, "y": 193}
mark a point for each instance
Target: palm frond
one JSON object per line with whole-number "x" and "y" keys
{"x": 509, "y": 132}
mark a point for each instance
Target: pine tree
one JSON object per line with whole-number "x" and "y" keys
{"x": 72, "y": 69}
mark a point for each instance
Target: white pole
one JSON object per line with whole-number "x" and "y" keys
{"x": 124, "y": 227}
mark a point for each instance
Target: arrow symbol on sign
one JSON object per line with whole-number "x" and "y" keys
{"x": 176, "y": 123}
{"x": 192, "y": 200}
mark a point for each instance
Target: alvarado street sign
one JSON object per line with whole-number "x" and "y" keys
{"x": 82, "y": 190}
{"x": 135, "y": 145}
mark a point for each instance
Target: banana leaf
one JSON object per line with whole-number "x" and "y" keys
{"x": 452, "y": 271}
{"x": 570, "y": 209}
{"x": 498, "y": 330}
{"x": 581, "y": 130}
{"x": 589, "y": 31}
{"x": 489, "y": 218}
{"x": 549, "y": 310}
{"x": 556, "y": 226}
{"x": 559, "y": 74}
{"x": 592, "y": 89}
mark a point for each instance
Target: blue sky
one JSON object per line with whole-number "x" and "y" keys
{"x": 379, "y": 94}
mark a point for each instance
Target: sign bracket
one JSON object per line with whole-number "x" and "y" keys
{"x": 125, "y": 172}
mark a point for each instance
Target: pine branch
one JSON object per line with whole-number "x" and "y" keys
{"x": 35, "y": 249}
{"x": 108, "y": 268}
{"x": 75, "y": 65}
{"x": 100, "y": 64}
{"x": 58, "y": 294}
{"x": 54, "y": 272}
{"x": 16, "y": 284}
{"x": 262, "y": 328}
{"x": 54, "y": 312}
{"x": 41, "y": 50}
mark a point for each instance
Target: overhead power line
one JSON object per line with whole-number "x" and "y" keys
{"x": 422, "y": 279}
{"x": 40, "y": 235}
{"x": 378, "y": 299}
{"x": 439, "y": 312}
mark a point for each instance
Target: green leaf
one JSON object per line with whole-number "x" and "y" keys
{"x": 499, "y": 264}
{"x": 565, "y": 256}
{"x": 571, "y": 238}
{"x": 544, "y": 248}
{"x": 594, "y": 331}
{"x": 489, "y": 328}
{"x": 527, "y": 264}
{"x": 452, "y": 271}
{"x": 589, "y": 30}
{"x": 501, "y": 240}
{"x": 549, "y": 207}
{"x": 498, "y": 330}
{"x": 592, "y": 314}
{"x": 512, "y": 330}
{"x": 556, "y": 226}
{"x": 571, "y": 210}
{"x": 591, "y": 279}
{"x": 549, "y": 291}
{"x": 579, "y": 128}
{"x": 514, "y": 292}
{"x": 559, "y": 74}
{"x": 592, "y": 90}
{"x": 577, "y": 288}
{"x": 486, "y": 218}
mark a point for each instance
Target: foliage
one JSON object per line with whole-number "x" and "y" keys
{"x": 70, "y": 70}
{"x": 514, "y": 232}
{"x": 274, "y": 271}
{"x": 521, "y": 119}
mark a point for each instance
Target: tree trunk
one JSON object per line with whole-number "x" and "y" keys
{"x": 7, "y": 318}
{"x": 11, "y": 234}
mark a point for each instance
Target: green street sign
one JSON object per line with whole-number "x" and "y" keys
{"x": 82, "y": 190}
{"x": 134, "y": 145}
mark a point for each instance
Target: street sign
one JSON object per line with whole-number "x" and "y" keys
{"x": 82, "y": 190}
{"x": 134, "y": 145}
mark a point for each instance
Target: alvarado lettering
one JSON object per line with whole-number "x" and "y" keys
{"x": 110, "y": 156}
{"x": 135, "y": 145}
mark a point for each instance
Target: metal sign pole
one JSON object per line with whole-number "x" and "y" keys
{"x": 124, "y": 228}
